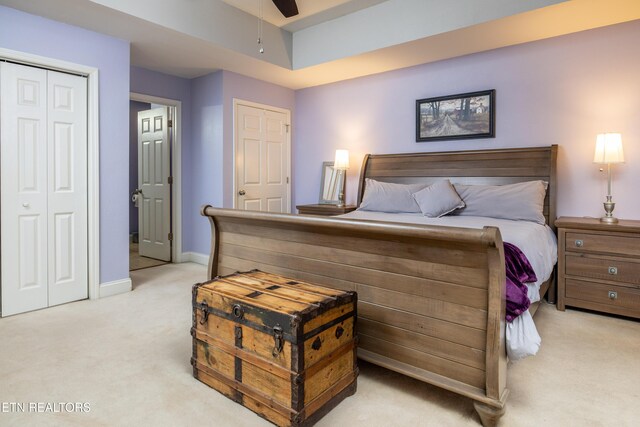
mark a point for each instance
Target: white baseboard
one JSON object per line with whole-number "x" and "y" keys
{"x": 116, "y": 287}
{"x": 195, "y": 257}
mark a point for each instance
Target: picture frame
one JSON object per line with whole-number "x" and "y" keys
{"x": 330, "y": 185}
{"x": 462, "y": 116}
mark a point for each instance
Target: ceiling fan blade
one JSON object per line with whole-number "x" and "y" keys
{"x": 288, "y": 8}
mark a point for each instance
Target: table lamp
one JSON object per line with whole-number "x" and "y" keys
{"x": 341, "y": 164}
{"x": 609, "y": 151}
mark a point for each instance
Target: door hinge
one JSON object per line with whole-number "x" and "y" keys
{"x": 170, "y": 236}
{"x": 170, "y": 123}
{"x": 170, "y": 180}
{"x": 287, "y": 180}
{"x": 287, "y": 127}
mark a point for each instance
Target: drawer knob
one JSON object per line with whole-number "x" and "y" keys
{"x": 613, "y": 295}
{"x": 579, "y": 243}
{"x": 613, "y": 270}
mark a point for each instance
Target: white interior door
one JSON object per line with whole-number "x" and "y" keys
{"x": 262, "y": 159}
{"x": 43, "y": 200}
{"x": 24, "y": 188}
{"x": 67, "y": 187}
{"x": 154, "y": 170}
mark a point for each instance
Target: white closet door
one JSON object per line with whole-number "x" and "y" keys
{"x": 43, "y": 212}
{"x": 23, "y": 200}
{"x": 67, "y": 183}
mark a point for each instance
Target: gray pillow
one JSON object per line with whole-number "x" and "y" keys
{"x": 389, "y": 197}
{"x": 523, "y": 201}
{"x": 438, "y": 199}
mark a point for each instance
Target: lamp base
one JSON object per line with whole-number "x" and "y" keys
{"x": 608, "y": 207}
{"x": 609, "y": 219}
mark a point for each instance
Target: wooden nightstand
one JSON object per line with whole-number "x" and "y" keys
{"x": 599, "y": 265}
{"x": 326, "y": 210}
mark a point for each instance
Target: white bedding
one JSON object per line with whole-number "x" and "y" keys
{"x": 537, "y": 242}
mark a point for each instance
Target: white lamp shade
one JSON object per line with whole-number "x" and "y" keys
{"x": 342, "y": 159}
{"x": 609, "y": 148}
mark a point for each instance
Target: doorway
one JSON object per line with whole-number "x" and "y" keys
{"x": 262, "y": 153}
{"x": 153, "y": 187}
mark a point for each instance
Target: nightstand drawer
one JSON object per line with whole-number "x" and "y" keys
{"x": 627, "y": 300}
{"x": 586, "y": 242}
{"x": 601, "y": 268}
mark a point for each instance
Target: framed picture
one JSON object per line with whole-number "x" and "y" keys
{"x": 463, "y": 116}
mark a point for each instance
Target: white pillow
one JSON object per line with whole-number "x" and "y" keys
{"x": 438, "y": 199}
{"x": 523, "y": 201}
{"x": 389, "y": 197}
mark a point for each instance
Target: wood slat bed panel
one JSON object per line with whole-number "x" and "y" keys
{"x": 230, "y": 265}
{"x": 416, "y": 283}
{"x": 452, "y": 332}
{"x": 430, "y": 269}
{"x": 453, "y": 313}
{"x": 456, "y": 313}
{"x": 454, "y": 254}
{"x": 457, "y": 371}
{"x": 394, "y": 264}
{"x": 374, "y": 277}
{"x": 529, "y": 153}
{"x": 469, "y": 172}
{"x": 438, "y": 347}
{"x": 487, "y": 167}
{"x": 410, "y": 163}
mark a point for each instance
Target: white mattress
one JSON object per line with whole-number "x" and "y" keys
{"x": 537, "y": 242}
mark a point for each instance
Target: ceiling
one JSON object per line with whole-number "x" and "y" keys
{"x": 311, "y": 12}
{"x": 331, "y": 40}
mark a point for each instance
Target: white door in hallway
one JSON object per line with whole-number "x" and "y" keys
{"x": 154, "y": 171}
{"x": 262, "y": 158}
{"x": 43, "y": 199}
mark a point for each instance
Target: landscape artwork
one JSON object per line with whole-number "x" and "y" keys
{"x": 463, "y": 116}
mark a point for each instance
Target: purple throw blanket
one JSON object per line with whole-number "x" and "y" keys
{"x": 519, "y": 272}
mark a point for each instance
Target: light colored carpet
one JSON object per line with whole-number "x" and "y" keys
{"x": 128, "y": 356}
{"x": 138, "y": 262}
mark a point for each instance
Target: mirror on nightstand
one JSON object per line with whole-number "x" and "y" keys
{"x": 331, "y": 184}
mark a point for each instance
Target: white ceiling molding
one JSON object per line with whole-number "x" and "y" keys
{"x": 213, "y": 21}
{"x": 394, "y": 22}
{"x": 190, "y": 38}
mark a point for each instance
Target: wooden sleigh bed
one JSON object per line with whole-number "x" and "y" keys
{"x": 431, "y": 300}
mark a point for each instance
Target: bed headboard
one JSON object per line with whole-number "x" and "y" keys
{"x": 491, "y": 167}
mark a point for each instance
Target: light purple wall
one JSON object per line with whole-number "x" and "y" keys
{"x": 134, "y": 108}
{"x": 211, "y": 166}
{"x": 561, "y": 91}
{"x": 32, "y": 34}
{"x": 205, "y": 167}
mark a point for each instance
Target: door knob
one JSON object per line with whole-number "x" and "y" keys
{"x": 26, "y": 204}
{"x": 242, "y": 192}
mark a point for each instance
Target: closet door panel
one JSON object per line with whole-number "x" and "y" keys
{"x": 67, "y": 187}
{"x": 23, "y": 199}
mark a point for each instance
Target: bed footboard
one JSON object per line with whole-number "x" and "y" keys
{"x": 431, "y": 300}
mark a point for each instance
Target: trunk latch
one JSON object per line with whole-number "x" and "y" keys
{"x": 278, "y": 340}
{"x": 205, "y": 312}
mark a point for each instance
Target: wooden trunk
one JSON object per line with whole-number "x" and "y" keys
{"x": 284, "y": 348}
